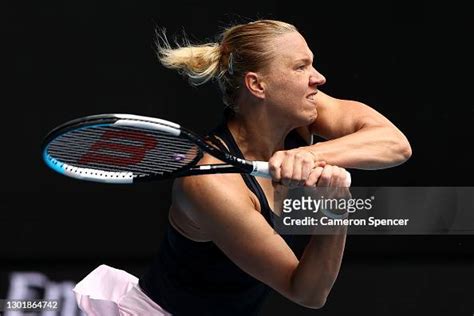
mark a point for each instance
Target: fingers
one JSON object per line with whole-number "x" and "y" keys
{"x": 303, "y": 165}
{"x": 314, "y": 177}
{"x": 292, "y": 167}
{"x": 308, "y": 166}
{"x": 298, "y": 168}
{"x": 326, "y": 177}
{"x": 334, "y": 176}
{"x": 347, "y": 179}
{"x": 320, "y": 163}
{"x": 287, "y": 170}
{"x": 274, "y": 165}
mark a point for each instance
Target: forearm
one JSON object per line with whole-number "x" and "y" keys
{"x": 375, "y": 147}
{"x": 318, "y": 268}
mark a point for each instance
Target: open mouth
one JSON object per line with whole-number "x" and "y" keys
{"x": 312, "y": 95}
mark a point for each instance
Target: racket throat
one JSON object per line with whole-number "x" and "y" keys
{"x": 213, "y": 169}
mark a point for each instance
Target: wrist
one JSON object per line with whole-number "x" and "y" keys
{"x": 315, "y": 153}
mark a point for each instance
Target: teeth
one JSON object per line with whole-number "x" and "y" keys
{"x": 311, "y": 96}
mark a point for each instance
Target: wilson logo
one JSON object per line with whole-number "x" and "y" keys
{"x": 119, "y": 148}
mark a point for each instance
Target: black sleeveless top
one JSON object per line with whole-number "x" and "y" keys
{"x": 197, "y": 278}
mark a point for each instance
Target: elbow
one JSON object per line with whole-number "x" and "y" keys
{"x": 314, "y": 302}
{"x": 399, "y": 148}
{"x": 404, "y": 151}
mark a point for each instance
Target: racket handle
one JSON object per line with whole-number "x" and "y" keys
{"x": 260, "y": 169}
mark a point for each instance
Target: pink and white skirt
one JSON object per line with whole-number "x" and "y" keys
{"x": 112, "y": 292}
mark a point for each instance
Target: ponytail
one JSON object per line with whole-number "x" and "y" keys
{"x": 198, "y": 62}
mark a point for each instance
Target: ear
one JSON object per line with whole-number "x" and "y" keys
{"x": 254, "y": 84}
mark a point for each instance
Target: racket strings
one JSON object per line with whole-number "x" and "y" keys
{"x": 123, "y": 149}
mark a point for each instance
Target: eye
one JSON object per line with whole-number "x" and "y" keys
{"x": 301, "y": 67}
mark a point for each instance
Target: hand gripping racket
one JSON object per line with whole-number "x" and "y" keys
{"x": 124, "y": 148}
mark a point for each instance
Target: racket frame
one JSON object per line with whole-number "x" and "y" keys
{"x": 231, "y": 163}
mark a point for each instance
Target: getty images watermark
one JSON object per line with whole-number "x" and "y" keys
{"x": 333, "y": 211}
{"x": 356, "y": 210}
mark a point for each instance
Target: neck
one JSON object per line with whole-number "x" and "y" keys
{"x": 257, "y": 136}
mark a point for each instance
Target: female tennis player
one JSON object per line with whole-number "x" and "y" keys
{"x": 221, "y": 255}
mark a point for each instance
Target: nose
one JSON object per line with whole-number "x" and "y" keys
{"x": 316, "y": 78}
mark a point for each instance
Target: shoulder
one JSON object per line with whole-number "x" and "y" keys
{"x": 208, "y": 195}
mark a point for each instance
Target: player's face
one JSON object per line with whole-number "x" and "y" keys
{"x": 291, "y": 81}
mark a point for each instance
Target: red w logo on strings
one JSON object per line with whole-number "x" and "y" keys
{"x": 119, "y": 148}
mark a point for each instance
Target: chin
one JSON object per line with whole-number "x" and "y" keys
{"x": 307, "y": 120}
{"x": 311, "y": 120}
{"x": 312, "y": 115}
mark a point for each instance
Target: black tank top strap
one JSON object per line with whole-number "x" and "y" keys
{"x": 224, "y": 133}
{"x": 213, "y": 139}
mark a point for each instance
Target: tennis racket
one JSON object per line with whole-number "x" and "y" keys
{"x": 125, "y": 148}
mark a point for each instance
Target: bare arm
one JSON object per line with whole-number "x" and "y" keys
{"x": 229, "y": 217}
{"x": 358, "y": 136}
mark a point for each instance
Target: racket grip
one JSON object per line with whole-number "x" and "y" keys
{"x": 261, "y": 169}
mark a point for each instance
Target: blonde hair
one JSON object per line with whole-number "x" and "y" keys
{"x": 240, "y": 48}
